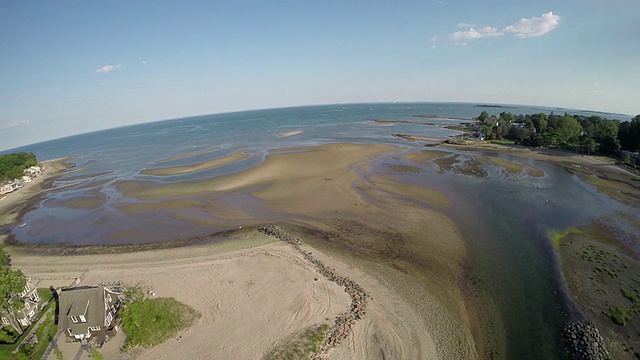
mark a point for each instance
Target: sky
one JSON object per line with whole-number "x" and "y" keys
{"x": 69, "y": 67}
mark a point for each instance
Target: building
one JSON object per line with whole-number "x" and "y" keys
{"x": 33, "y": 171}
{"x": 19, "y": 320}
{"x": 8, "y": 187}
{"x": 89, "y": 313}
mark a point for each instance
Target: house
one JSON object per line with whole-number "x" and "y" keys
{"x": 88, "y": 312}
{"x": 33, "y": 171}
{"x": 21, "y": 319}
{"x": 6, "y": 188}
{"x": 26, "y": 179}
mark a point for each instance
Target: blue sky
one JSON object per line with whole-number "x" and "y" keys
{"x": 69, "y": 67}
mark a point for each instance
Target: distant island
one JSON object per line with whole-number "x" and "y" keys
{"x": 496, "y": 106}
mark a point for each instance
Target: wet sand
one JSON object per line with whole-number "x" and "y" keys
{"x": 409, "y": 259}
{"x": 15, "y": 203}
{"x": 207, "y": 165}
{"x": 392, "y": 238}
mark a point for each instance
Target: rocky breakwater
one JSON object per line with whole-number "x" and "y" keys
{"x": 584, "y": 342}
{"x": 344, "y": 322}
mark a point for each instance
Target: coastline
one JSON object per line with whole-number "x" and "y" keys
{"x": 430, "y": 303}
{"x": 367, "y": 230}
{"x": 19, "y": 202}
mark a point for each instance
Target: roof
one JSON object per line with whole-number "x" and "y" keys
{"x": 82, "y": 303}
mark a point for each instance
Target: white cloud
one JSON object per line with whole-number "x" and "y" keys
{"x": 108, "y": 68}
{"x": 536, "y": 26}
{"x": 144, "y": 62}
{"x": 460, "y": 44}
{"x": 472, "y": 33}
{"x": 524, "y": 28}
{"x": 14, "y": 123}
{"x": 465, "y": 25}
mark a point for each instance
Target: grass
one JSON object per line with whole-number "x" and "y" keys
{"x": 96, "y": 355}
{"x": 45, "y": 333}
{"x": 557, "y": 236}
{"x": 6, "y": 350}
{"x": 299, "y": 346}
{"x": 58, "y": 354}
{"x": 615, "y": 189}
{"x": 618, "y": 315}
{"x": 510, "y": 166}
{"x": 149, "y": 322}
{"x": 45, "y": 294}
{"x": 502, "y": 142}
{"x": 631, "y": 296}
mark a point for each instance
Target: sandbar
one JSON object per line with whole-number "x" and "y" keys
{"x": 207, "y": 165}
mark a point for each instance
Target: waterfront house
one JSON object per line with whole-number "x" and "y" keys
{"x": 33, "y": 171}
{"x": 89, "y": 313}
{"x": 19, "y": 320}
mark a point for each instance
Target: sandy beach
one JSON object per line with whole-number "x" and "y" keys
{"x": 255, "y": 292}
{"x": 248, "y": 284}
{"x": 414, "y": 312}
{"x": 15, "y": 202}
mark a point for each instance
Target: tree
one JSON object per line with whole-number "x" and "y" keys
{"x": 587, "y": 144}
{"x": 568, "y": 129}
{"x": 629, "y": 134}
{"x": 540, "y": 122}
{"x": 12, "y": 283}
{"x": 609, "y": 145}
{"x": 4, "y": 257}
{"x": 13, "y": 165}
{"x": 483, "y": 117}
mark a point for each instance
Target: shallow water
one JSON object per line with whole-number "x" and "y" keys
{"x": 504, "y": 217}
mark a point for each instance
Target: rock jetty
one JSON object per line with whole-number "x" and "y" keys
{"x": 584, "y": 341}
{"x": 344, "y": 322}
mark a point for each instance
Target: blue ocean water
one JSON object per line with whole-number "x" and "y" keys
{"x": 104, "y": 158}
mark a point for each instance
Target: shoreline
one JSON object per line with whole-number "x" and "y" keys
{"x": 21, "y": 201}
{"x": 424, "y": 269}
{"x": 430, "y": 305}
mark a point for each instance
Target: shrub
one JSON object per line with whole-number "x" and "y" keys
{"x": 618, "y": 315}
{"x": 149, "y": 322}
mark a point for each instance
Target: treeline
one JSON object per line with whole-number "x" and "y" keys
{"x": 587, "y": 133}
{"x": 12, "y": 165}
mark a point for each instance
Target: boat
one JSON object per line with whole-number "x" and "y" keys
{"x": 22, "y": 225}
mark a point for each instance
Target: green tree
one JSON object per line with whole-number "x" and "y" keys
{"x": 12, "y": 165}
{"x": 4, "y": 257}
{"x": 587, "y": 144}
{"x": 540, "y": 122}
{"x": 12, "y": 282}
{"x": 568, "y": 129}
{"x": 629, "y": 134}
{"x": 609, "y": 145}
{"x": 483, "y": 117}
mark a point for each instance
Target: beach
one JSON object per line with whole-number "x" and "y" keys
{"x": 15, "y": 203}
{"x": 395, "y": 239}
{"x": 333, "y": 198}
{"x": 247, "y": 284}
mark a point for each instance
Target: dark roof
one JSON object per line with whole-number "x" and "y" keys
{"x": 86, "y": 301}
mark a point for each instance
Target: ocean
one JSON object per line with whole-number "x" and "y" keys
{"x": 505, "y": 221}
